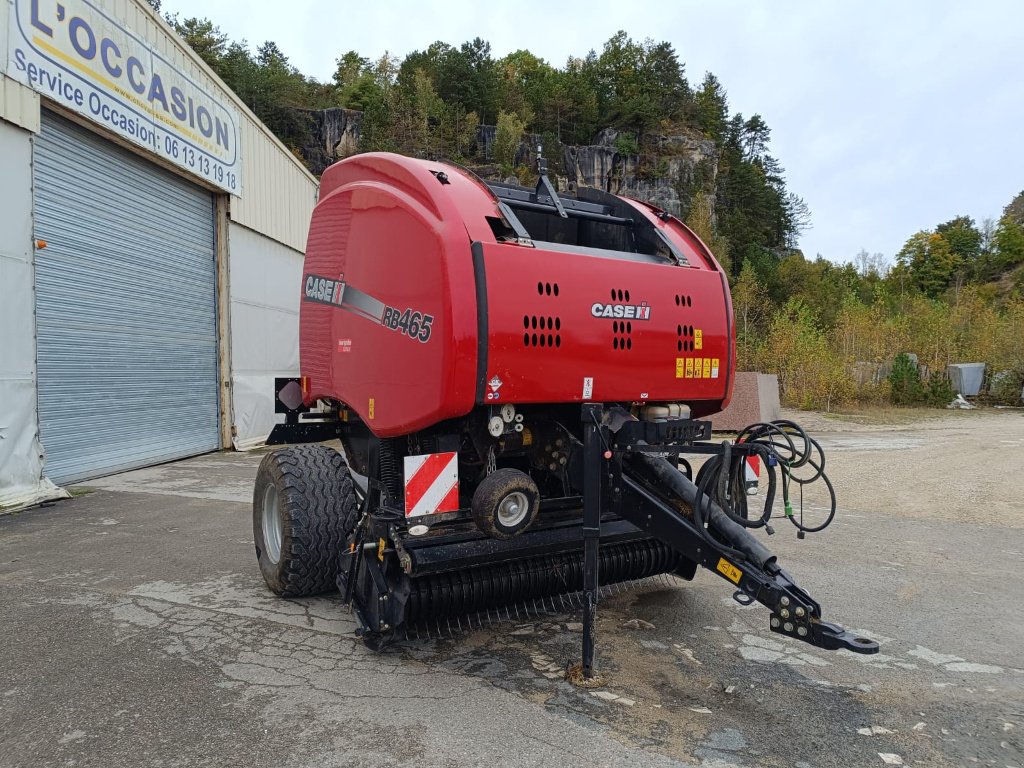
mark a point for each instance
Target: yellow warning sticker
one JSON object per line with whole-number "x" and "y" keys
{"x": 698, "y": 338}
{"x": 381, "y": 544}
{"x": 730, "y": 571}
{"x": 689, "y": 367}
{"x": 714, "y": 368}
{"x": 680, "y": 367}
{"x": 707, "y": 368}
{"x": 371, "y": 407}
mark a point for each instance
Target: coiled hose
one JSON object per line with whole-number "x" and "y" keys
{"x": 783, "y": 446}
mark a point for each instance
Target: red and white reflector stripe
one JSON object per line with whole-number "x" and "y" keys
{"x": 753, "y": 471}
{"x": 431, "y": 484}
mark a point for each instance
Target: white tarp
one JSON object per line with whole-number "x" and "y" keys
{"x": 21, "y": 454}
{"x": 264, "y": 280}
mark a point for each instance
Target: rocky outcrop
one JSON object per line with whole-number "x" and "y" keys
{"x": 667, "y": 173}
{"x": 674, "y": 164}
{"x": 332, "y": 134}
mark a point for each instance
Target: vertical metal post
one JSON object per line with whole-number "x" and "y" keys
{"x": 592, "y": 479}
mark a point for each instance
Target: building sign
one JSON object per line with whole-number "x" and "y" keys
{"x": 72, "y": 52}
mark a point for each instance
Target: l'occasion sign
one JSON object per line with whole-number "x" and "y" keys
{"x": 81, "y": 57}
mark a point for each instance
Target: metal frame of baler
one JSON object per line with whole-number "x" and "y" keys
{"x": 616, "y": 508}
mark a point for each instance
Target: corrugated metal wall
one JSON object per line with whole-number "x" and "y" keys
{"x": 278, "y": 198}
{"x": 125, "y": 308}
{"x": 18, "y": 104}
{"x": 278, "y": 192}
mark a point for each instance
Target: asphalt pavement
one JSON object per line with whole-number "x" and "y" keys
{"x": 136, "y": 631}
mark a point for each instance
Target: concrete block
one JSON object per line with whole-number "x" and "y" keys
{"x": 755, "y": 397}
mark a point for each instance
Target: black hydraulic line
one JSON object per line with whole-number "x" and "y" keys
{"x": 734, "y": 534}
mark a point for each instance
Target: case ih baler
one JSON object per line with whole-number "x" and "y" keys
{"x": 515, "y": 376}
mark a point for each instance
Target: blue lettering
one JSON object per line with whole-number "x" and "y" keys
{"x": 222, "y": 133}
{"x": 156, "y": 91}
{"x": 48, "y": 31}
{"x": 106, "y": 47}
{"x": 134, "y": 63}
{"x": 88, "y": 52}
{"x": 19, "y": 60}
{"x": 206, "y": 130}
{"x": 178, "y": 103}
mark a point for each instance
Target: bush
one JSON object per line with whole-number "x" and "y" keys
{"x": 905, "y": 381}
{"x": 1005, "y": 388}
{"x": 939, "y": 392}
{"x": 626, "y": 144}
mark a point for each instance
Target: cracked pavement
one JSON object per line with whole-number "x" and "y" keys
{"x": 137, "y": 632}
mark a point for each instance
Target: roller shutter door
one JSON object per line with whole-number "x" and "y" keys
{"x": 125, "y": 308}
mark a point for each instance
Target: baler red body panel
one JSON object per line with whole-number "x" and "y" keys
{"x": 413, "y": 312}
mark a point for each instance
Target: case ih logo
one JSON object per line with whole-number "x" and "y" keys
{"x": 324, "y": 290}
{"x": 641, "y": 311}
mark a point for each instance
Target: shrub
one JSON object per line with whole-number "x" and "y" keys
{"x": 905, "y": 381}
{"x": 939, "y": 392}
{"x": 1005, "y": 388}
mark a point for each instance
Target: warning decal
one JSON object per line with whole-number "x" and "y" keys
{"x": 431, "y": 484}
{"x": 730, "y": 571}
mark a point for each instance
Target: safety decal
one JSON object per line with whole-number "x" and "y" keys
{"x": 680, "y": 369}
{"x": 371, "y": 409}
{"x": 714, "y": 367}
{"x": 344, "y": 345}
{"x": 336, "y": 292}
{"x": 588, "y": 388}
{"x": 494, "y": 384}
{"x": 689, "y": 367}
{"x": 730, "y": 571}
{"x": 698, "y": 338}
{"x": 707, "y": 368}
{"x": 431, "y": 484}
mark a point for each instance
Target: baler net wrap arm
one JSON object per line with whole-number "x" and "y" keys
{"x": 661, "y": 500}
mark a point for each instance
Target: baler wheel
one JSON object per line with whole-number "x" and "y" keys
{"x": 304, "y": 507}
{"x": 505, "y": 503}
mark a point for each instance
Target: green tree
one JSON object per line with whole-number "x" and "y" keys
{"x": 640, "y": 84}
{"x": 203, "y": 37}
{"x": 1008, "y": 240}
{"x": 702, "y": 221}
{"x": 507, "y": 138}
{"x": 711, "y": 108}
{"x": 930, "y": 261}
{"x": 751, "y": 307}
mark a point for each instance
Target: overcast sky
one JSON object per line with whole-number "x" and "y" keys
{"x": 889, "y": 117}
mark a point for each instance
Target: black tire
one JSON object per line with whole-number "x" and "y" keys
{"x": 495, "y": 488}
{"x": 316, "y": 509}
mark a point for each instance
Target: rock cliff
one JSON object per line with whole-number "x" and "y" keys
{"x": 667, "y": 171}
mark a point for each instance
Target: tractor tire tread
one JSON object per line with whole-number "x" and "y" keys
{"x": 319, "y": 510}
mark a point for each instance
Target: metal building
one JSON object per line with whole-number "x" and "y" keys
{"x": 151, "y": 238}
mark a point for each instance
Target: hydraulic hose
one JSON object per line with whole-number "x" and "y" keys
{"x": 704, "y": 508}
